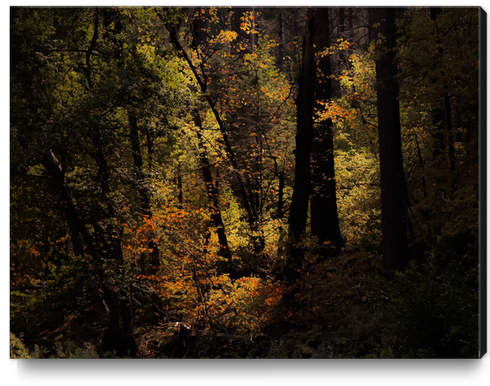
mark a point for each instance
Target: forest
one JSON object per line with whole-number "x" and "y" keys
{"x": 246, "y": 182}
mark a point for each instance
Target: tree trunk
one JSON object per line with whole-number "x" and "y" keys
{"x": 323, "y": 206}
{"x": 298, "y": 212}
{"x": 393, "y": 189}
{"x": 216, "y": 219}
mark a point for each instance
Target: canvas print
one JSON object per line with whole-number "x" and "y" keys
{"x": 246, "y": 182}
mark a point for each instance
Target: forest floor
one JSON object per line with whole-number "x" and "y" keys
{"x": 332, "y": 315}
{"x": 342, "y": 307}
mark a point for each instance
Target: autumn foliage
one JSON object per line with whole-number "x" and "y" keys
{"x": 160, "y": 229}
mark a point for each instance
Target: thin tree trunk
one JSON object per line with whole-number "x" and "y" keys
{"x": 216, "y": 219}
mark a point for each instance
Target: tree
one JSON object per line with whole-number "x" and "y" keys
{"x": 323, "y": 206}
{"x": 393, "y": 188}
{"x": 298, "y": 211}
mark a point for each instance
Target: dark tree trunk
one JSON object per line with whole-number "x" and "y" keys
{"x": 393, "y": 189}
{"x": 434, "y": 12}
{"x": 298, "y": 212}
{"x": 324, "y": 215}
